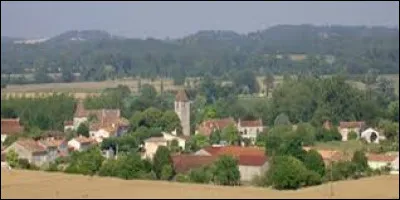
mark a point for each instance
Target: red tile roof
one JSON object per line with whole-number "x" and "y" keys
{"x": 355, "y": 124}
{"x": 381, "y": 157}
{"x": 31, "y": 145}
{"x": 254, "y": 123}
{"x": 11, "y": 126}
{"x": 68, "y": 123}
{"x": 246, "y": 155}
{"x": 184, "y": 163}
{"x": 84, "y": 140}
{"x": 208, "y": 126}
{"x": 181, "y": 96}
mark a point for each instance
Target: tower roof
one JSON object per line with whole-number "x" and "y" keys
{"x": 181, "y": 96}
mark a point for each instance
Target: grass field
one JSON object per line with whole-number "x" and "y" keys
{"x": 81, "y": 88}
{"x": 35, "y": 184}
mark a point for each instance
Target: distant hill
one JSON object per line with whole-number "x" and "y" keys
{"x": 98, "y": 55}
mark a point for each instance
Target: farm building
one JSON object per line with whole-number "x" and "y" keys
{"x": 10, "y": 127}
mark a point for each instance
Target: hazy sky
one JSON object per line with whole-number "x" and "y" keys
{"x": 177, "y": 19}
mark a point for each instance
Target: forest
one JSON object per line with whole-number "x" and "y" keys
{"x": 291, "y": 49}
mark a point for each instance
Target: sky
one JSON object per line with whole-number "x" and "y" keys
{"x": 178, "y": 19}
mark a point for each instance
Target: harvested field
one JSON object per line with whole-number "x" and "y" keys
{"x": 80, "y": 89}
{"x": 35, "y": 184}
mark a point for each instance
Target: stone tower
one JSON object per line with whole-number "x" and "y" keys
{"x": 182, "y": 109}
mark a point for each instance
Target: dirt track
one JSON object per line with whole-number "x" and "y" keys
{"x": 32, "y": 184}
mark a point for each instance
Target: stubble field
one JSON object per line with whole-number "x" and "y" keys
{"x": 35, "y": 184}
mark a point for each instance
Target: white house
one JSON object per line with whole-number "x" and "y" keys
{"x": 379, "y": 161}
{"x": 395, "y": 166}
{"x": 250, "y": 129}
{"x": 80, "y": 143}
{"x": 169, "y": 137}
{"x": 372, "y": 136}
{"x": 30, "y": 150}
{"x": 347, "y": 127}
{"x": 151, "y": 145}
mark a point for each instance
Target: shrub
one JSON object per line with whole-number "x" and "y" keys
{"x": 314, "y": 161}
{"x": 182, "y": 178}
{"x": 200, "y": 175}
{"x": 360, "y": 160}
{"x": 312, "y": 178}
{"x": 352, "y": 136}
{"x": 341, "y": 170}
{"x": 286, "y": 172}
{"x": 226, "y": 171}
{"x": 167, "y": 172}
{"x": 162, "y": 157}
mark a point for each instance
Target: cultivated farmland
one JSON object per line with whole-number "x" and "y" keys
{"x": 36, "y": 184}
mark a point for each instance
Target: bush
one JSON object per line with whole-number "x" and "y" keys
{"x": 83, "y": 129}
{"x": 360, "y": 160}
{"x": 167, "y": 172}
{"x": 182, "y": 178}
{"x": 313, "y": 178}
{"x": 324, "y": 135}
{"x": 161, "y": 158}
{"x": 200, "y": 175}
{"x": 226, "y": 171}
{"x": 314, "y": 161}
{"x": 352, "y": 136}
{"x": 341, "y": 170}
{"x": 286, "y": 172}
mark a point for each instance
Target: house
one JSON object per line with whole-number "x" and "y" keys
{"x": 10, "y": 127}
{"x": 184, "y": 163}
{"x": 103, "y": 123}
{"x": 108, "y": 127}
{"x": 68, "y": 126}
{"x": 80, "y": 143}
{"x": 30, "y": 150}
{"x": 250, "y": 129}
{"x": 180, "y": 139}
{"x": 55, "y": 147}
{"x": 330, "y": 156}
{"x": 379, "y": 161}
{"x": 372, "y": 136}
{"x": 151, "y": 145}
{"x": 251, "y": 160}
{"x": 346, "y": 127}
{"x": 208, "y": 126}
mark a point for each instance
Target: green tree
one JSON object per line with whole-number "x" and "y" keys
{"x": 12, "y": 158}
{"x": 360, "y": 160}
{"x": 200, "y": 175}
{"x": 246, "y": 79}
{"x": 83, "y": 130}
{"x": 352, "y": 135}
{"x": 282, "y": 119}
{"x": 215, "y": 137}
{"x": 226, "y": 171}
{"x": 307, "y": 133}
{"x": 87, "y": 162}
{"x": 174, "y": 146}
{"x": 268, "y": 82}
{"x": 161, "y": 158}
{"x": 231, "y": 134}
{"x": 390, "y": 129}
{"x": 171, "y": 122}
{"x": 167, "y": 172}
{"x": 314, "y": 161}
{"x": 148, "y": 92}
{"x": 393, "y": 111}
{"x": 286, "y": 172}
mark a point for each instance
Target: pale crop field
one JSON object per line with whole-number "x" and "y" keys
{"x": 36, "y": 184}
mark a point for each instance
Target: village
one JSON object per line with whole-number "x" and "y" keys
{"x": 252, "y": 160}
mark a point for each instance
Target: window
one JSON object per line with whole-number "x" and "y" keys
{"x": 245, "y": 131}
